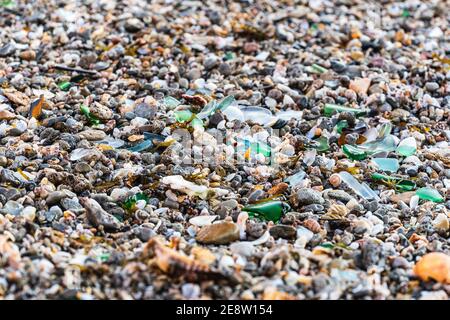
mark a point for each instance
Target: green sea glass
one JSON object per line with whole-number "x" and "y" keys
{"x": 131, "y": 201}
{"x": 258, "y": 147}
{"x": 362, "y": 151}
{"x": 214, "y": 106}
{"x": 269, "y": 211}
{"x": 91, "y": 118}
{"x": 341, "y": 125}
{"x": 354, "y": 153}
{"x": 429, "y": 194}
{"x": 183, "y": 115}
{"x": 196, "y": 123}
{"x": 321, "y": 144}
{"x": 171, "y": 102}
{"x": 144, "y": 145}
{"x": 407, "y": 147}
{"x": 65, "y": 86}
{"x": 385, "y": 130}
{"x": 398, "y": 183}
{"x": 387, "y": 164}
{"x": 330, "y": 109}
{"x": 315, "y": 68}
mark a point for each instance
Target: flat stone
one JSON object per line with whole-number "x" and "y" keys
{"x": 405, "y": 197}
{"x": 99, "y": 217}
{"x": 218, "y": 233}
{"x": 283, "y": 231}
{"x": 340, "y": 195}
{"x": 307, "y": 196}
{"x": 360, "y": 86}
{"x": 7, "y": 115}
{"x": 92, "y": 135}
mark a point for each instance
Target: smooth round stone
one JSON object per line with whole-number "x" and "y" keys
{"x": 307, "y": 196}
{"x": 271, "y": 103}
{"x": 218, "y": 233}
{"x": 13, "y": 207}
{"x": 119, "y": 194}
{"x": 245, "y": 249}
{"x": 256, "y": 195}
{"x": 29, "y": 213}
{"x": 431, "y": 86}
{"x": 283, "y": 231}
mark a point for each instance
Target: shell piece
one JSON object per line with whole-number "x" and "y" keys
{"x": 441, "y": 222}
{"x": 171, "y": 261}
{"x": 312, "y": 225}
{"x": 435, "y": 266}
{"x": 36, "y": 107}
{"x": 201, "y": 221}
{"x": 179, "y": 183}
{"x": 336, "y": 212}
{"x": 335, "y": 180}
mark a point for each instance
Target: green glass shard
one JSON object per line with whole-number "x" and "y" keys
{"x": 196, "y": 123}
{"x": 353, "y": 152}
{"x": 269, "y": 211}
{"x": 225, "y": 103}
{"x": 171, "y": 102}
{"x": 396, "y": 182}
{"x": 407, "y": 147}
{"x": 144, "y": 145}
{"x": 207, "y": 110}
{"x": 362, "y": 151}
{"x": 183, "y": 115}
{"x": 65, "y": 86}
{"x": 429, "y": 194}
{"x": 321, "y": 144}
{"x": 318, "y": 69}
{"x": 387, "y": 164}
{"x": 131, "y": 201}
{"x": 214, "y": 106}
{"x": 7, "y": 3}
{"x": 229, "y": 55}
{"x": 385, "y": 130}
{"x": 258, "y": 147}
{"x": 91, "y": 118}
{"x": 341, "y": 125}
{"x": 330, "y": 109}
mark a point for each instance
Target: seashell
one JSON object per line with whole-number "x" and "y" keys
{"x": 441, "y": 222}
{"x": 177, "y": 263}
{"x": 201, "y": 221}
{"x": 336, "y": 212}
{"x": 312, "y": 225}
{"x": 335, "y": 180}
{"x": 242, "y": 224}
{"x": 435, "y": 266}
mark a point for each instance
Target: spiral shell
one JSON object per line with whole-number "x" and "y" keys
{"x": 335, "y": 180}
{"x": 312, "y": 225}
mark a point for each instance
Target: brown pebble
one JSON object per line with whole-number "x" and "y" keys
{"x": 28, "y": 55}
{"x": 278, "y": 189}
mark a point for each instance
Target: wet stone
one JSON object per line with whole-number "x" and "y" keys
{"x": 283, "y": 231}
{"x": 306, "y": 197}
